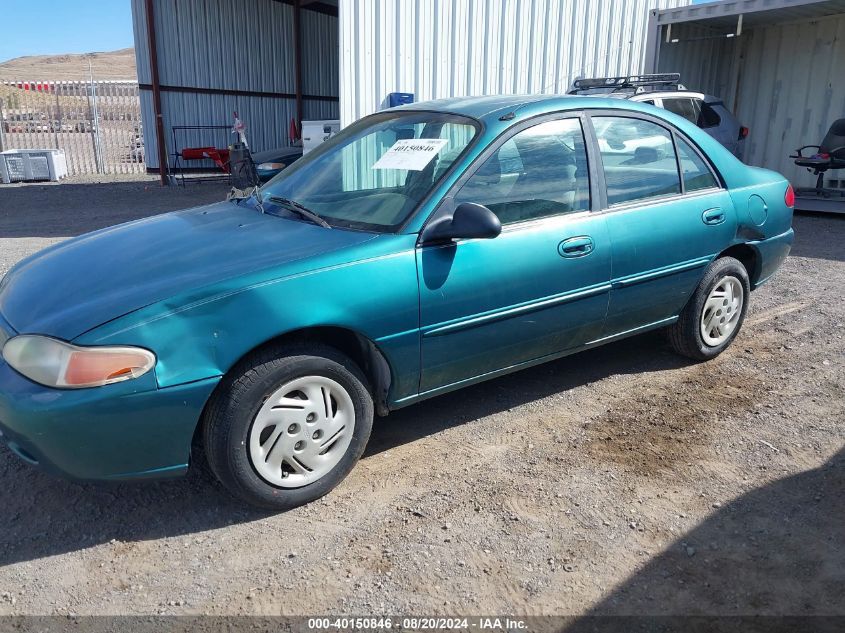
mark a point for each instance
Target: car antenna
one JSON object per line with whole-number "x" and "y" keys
{"x": 509, "y": 116}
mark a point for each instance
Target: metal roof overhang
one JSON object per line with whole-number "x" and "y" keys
{"x": 723, "y": 15}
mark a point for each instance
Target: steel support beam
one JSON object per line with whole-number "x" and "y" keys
{"x": 156, "y": 85}
{"x": 297, "y": 60}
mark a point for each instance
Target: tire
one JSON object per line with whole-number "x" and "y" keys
{"x": 691, "y": 335}
{"x": 247, "y": 420}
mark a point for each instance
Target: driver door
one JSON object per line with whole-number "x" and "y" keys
{"x": 540, "y": 287}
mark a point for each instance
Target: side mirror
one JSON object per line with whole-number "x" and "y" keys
{"x": 469, "y": 220}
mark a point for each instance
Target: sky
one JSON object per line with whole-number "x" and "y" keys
{"x": 50, "y": 27}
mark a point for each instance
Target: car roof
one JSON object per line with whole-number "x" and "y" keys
{"x": 489, "y": 108}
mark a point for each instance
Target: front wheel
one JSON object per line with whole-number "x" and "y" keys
{"x": 714, "y": 314}
{"x": 288, "y": 425}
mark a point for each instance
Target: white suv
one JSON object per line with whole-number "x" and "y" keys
{"x": 664, "y": 91}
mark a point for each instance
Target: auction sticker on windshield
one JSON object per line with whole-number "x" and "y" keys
{"x": 412, "y": 154}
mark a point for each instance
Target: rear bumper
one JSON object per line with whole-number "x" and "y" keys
{"x": 773, "y": 253}
{"x": 129, "y": 430}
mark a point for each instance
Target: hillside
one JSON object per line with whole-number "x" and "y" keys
{"x": 108, "y": 65}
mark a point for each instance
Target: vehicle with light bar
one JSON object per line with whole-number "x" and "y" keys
{"x": 665, "y": 90}
{"x": 422, "y": 249}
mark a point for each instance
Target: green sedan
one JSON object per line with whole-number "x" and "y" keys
{"x": 423, "y": 249}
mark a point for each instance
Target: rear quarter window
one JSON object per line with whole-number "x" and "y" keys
{"x": 696, "y": 173}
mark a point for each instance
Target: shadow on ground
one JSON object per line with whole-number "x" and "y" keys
{"x": 648, "y": 352}
{"x": 819, "y": 236}
{"x": 774, "y": 551}
{"x": 44, "y": 516}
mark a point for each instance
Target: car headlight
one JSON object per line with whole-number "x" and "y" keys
{"x": 54, "y": 363}
{"x": 271, "y": 166}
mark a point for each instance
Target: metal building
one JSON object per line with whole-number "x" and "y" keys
{"x": 777, "y": 64}
{"x": 277, "y": 60}
{"x": 445, "y": 48}
{"x": 271, "y": 61}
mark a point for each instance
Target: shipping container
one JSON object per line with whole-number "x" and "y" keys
{"x": 777, "y": 64}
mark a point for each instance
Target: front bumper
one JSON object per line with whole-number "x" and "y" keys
{"x": 128, "y": 430}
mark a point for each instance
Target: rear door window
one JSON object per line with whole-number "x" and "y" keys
{"x": 638, "y": 159}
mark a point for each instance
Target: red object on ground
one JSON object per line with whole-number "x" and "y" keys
{"x": 219, "y": 156}
{"x": 293, "y": 132}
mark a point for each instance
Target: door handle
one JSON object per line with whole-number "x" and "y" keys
{"x": 576, "y": 246}
{"x": 713, "y": 216}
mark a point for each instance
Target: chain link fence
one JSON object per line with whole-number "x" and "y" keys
{"x": 96, "y": 123}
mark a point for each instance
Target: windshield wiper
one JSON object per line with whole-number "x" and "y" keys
{"x": 299, "y": 209}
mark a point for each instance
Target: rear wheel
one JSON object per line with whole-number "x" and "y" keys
{"x": 288, "y": 425}
{"x": 714, "y": 314}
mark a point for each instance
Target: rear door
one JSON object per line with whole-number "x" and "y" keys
{"x": 664, "y": 227}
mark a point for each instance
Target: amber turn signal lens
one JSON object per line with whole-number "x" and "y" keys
{"x": 85, "y": 368}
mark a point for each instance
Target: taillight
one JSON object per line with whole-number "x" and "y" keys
{"x": 789, "y": 197}
{"x": 743, "y": 132}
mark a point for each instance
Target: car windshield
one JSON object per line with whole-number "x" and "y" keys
{"x": 374, "y": 173}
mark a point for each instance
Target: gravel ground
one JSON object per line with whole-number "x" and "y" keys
{"x": 620, "y": 480}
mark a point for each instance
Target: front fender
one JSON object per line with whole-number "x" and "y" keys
{"x": 202, "y": 334}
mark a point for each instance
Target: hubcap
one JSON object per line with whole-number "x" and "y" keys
{"x": 721, "y": 311}
{"x": 301, "y": 431}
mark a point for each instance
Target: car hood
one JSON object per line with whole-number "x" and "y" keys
{"x": 280, "y": 154}
{"x": 81, "y": 283}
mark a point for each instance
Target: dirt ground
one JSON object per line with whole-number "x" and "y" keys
{"x": 620, "y": 480}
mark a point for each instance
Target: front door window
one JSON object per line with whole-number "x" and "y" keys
{"x": 538, "y": 172}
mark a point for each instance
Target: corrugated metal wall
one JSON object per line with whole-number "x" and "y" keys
{"x": 704, "y": 62}
{"x": 445, "y": 48}
{"x": 244, "y": 46}
{"x": 785, "y": 82}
